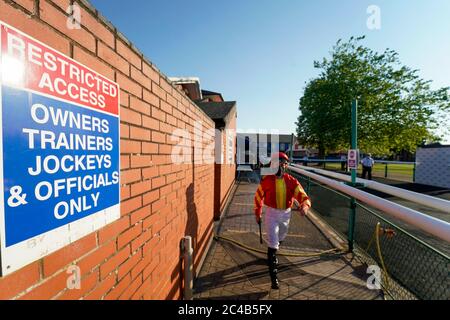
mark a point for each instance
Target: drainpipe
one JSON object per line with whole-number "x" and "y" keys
{"x": 186, "y": 249}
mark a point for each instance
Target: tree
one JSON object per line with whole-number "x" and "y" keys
{"x": 397, "y": 109}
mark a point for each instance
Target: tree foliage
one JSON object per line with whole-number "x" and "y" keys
{"x": 397, "y": 110}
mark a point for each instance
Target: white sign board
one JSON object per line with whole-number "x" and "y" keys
{"x": 59, "y": 148}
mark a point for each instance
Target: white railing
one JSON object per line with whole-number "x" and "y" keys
{"x": 423, "y": 199}
{"x": 433, "y": 226}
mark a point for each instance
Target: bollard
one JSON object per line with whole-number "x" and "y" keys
{"x": 186, "y": 247}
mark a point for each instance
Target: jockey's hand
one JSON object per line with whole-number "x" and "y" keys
{"x": 303, "y": 211}
{"x": 258, "y": 219}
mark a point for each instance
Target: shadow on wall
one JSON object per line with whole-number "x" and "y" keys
{"x": 192, "y": 215}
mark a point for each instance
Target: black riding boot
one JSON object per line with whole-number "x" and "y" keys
{"x": 273, "y": 266}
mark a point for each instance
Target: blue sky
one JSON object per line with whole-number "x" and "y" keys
{"x": 261, "y": 52}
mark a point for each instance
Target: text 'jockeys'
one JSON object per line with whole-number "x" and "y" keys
{"x": 278, "y": 192}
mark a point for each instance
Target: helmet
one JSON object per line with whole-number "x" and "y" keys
{"x": 279, "y": 156}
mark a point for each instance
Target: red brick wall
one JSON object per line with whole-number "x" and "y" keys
{"x": 137, "y": 256}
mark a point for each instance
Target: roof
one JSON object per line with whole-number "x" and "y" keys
{"x": 434, "y": 145}
{"x": 210, "y": 93}
{"x": 218, "y": 111}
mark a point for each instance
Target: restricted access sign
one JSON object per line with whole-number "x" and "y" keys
{"x": 59, "y": 148}
{"x": 352, "y": 159}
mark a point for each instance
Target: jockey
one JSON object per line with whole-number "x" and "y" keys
{"x": 278, "y": 192}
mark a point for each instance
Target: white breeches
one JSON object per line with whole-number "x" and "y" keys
{"x": 277, "y": 223}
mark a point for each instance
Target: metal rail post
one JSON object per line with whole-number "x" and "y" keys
{"x": 352, "y": 215}
{"x": 186, "y": 247}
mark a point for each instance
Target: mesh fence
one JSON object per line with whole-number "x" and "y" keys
{"x": 415, "y": 270}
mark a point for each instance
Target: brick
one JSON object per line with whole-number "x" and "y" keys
{"x": 27, "y": 4}
{"x": 140, "y": 106}
{"x": 128, "y": 54}
{"x": 165, "y": 85}
{"x": 158, "y": 182}
{"x": 126, "y": 267}
{"x": 35, "y": 29}
{"x": 114, "y": 262}
{"x": 113, "y": 230}
{"x": 150, "y": 72}
{"x": 141, "y": 239}
{"x": 124, "y": 162}
{"x": 150, "y": 197}
{"x": 63, "y": 4}
{"x": 97, "y": 28}
{"x": 102, "y": 288}
{"x": 124, "y": 130}
{"x": 172, "y": 101}
{"x": 48, "y": 288}
{"x": 130, "y": 146}
{"x": 129, "y": 235}
{"x": 129, "y": 85}
{"x": 130, "y": 116}
{"x": 143, "y": 289}
{"x": 171, "y": 120}
{"x": 124, "y": 99}
{"x": 161, "y": 159}
{"x": 109, "y": 56}
{"x": 151, "y": 98}
{"x": 130, "y": 176}
{"x": 141, "y": 187}
{"x": 151, "y": 267}
{"x": 158, "y": 137}
{"x": 124, "y": 192}
{"x": 66, "y": 255}
{"x": 88, "y": 59}
{"x": 158, "y": 114}
{"x": 140, "y": 78}
{"x": 119, "y": 288}
{"x": 141, "y": 134}
{"x": 58, "y": 20}
{"x": 131, "y": 289}
{"x": 151, "y": 123}
{"x": 158, "y": 91}
{"x": 158, "y": 204}
{"x": 140, "y": 214}
{"x": 140, "y": 161}
{"x": 94, "y": 259}
{"x": 18, "y": 281}
{"x": 165, "y": 149}
{"x": 151, "y": 172}
{"x": 149, "y": 148}
{"x": 166, "y": 128}
{"x": 87, "y": 284}
{"x": 130, "y": 205}
{"x": 171, "y": 178}
{"x": 165, "y": 190}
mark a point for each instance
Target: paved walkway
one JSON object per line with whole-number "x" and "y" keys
{"x": 230, "y": 272}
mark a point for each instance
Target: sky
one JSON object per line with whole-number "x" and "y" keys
{"x": 260, "y": 53}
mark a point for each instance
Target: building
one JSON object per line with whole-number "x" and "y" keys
{"x": 256, "y": 148}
